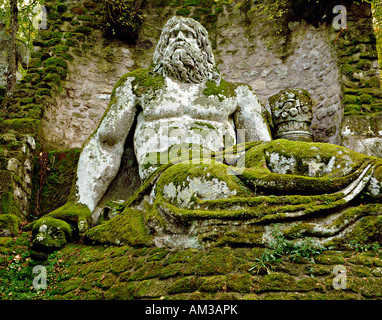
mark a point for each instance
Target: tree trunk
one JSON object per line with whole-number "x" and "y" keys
{"x": 11, "y": 55}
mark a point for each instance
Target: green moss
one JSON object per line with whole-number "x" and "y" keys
{"x": 180, "y": 257}
{"x": 363, "y": 64}
{"x": 85, "y": 18}
{"x": 239, "y": 282}
{"x": 35, "y": 113}
{"x": 57, "y": 34}
{"x": 210, "y": 18}
{"x": 121, "y": 264}
{"x": 146, "y": 81}
{"x": 330, "y": 257}
{"x": 9, "y": 225}
{"x": 27, "y": 100}
{"x": 347, "y": 69}
{"x": 374, "y": 82}
{"x": 205, "y": 124}
{"x": 51, "y": 77}
{"x": 224, "y": 90}
{"x": 352, "y": 109}
{"x": 121, "y": 291}
{"x": 72, "y": 212}
{"x": 44, "y": 34}
{"x": 126, "y": 228}
{"x": 52, "y": 15}
{"x": 186, "y": 284}
{"x": 349, "y": 99}
{"x": 44, "y": 92}
{"x": 60, "y": 48}
{"x": 83, "y": 30}
{"x": 6, "y": 242}
{"x": 372, "y": 54}
{"x": 158, "y": 254}
{"x": 367, "y": 230}
{"x": 72, "y": 43}
{"x": 216, "y": 261}
{"x": 274, "y": 282}
{"x": 52, "y": 42}
{"x": 151, "y": 269}
{"x": 171, "y": 270}
{"x": 68, "y": 285}
{"x": 49, "y": 233}
{"x": 34, "y": 63}
{"x": 66, "y": 16}
{"x": 365, "y": 99}
{"x": 57, "y": 70}
{"x": 183, "y": 12}
{"x": 202, "y": 11}
{"x": 213, "y": 284}
{"x": 61, "y": 8}
{"x": 56, "y": 61}
{"x": 21, "y": 125}
{"x": 150, "y": 289}
{"x": 364, "y": 259}
{"x": 360, "y": 271}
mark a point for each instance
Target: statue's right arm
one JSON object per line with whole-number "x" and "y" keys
{"x": 101, "y": 155}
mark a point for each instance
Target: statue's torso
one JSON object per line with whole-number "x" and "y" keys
{"x": 181, "y": 113}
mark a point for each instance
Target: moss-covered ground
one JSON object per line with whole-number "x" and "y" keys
{"x": 81, "y": 271}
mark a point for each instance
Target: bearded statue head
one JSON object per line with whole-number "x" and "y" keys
{"x": 184, "y": 52}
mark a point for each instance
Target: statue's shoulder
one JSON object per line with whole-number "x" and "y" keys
{"x": 224, "y": 89}
{"x": 142, "y": 80}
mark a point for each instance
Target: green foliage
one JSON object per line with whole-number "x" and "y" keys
{"x": 364, "y": 247}
{"x": 273, "y": 11}
{"x": 16, "y": 271}
{"x": 280, "y": 246}
{"x": 123, "y": 17}
{"x": 29, "y": 17}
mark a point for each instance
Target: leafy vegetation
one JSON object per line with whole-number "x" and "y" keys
{"x": 364, "y": 247}
{"x": 123, "y": 17}
{"x": 282, "y": 247}
{"x": 29, "y": 17}
{"x": 16, "y": 270}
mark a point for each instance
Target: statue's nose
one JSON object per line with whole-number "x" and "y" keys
{"x": 180, "y": 36}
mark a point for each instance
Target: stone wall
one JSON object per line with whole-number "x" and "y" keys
{"x": 16, "y": 165}
{"x": 86, "y": 94}
{"x": 247, "y": 49}
{"x": 360, "y": 80}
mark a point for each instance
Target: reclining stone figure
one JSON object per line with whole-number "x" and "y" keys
{"x": 211, "y": 173}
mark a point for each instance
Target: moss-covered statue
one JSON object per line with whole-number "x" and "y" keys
{"x": 211, "y": 173}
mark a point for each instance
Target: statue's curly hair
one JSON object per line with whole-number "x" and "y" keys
{"x": 203, "y": 42}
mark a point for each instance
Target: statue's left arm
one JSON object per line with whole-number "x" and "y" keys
{"x": 250, "y": 121}
{"x": 101, "y": 155}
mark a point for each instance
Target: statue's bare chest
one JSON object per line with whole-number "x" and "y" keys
{"x": 183, "y": 99}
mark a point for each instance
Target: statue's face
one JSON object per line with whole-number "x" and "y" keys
{"x": 183, "y": 46}
{"x": 181, "y": 35}
{"x": 184, "y": 52}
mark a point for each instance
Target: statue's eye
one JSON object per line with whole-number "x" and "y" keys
{"x": 189, "y": 34}
{"x": 172, "y": 35}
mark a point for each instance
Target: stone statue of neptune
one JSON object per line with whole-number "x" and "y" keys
{"x": 211, "y": 173}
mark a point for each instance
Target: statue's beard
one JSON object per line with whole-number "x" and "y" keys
{"x": 185, "y": 63}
